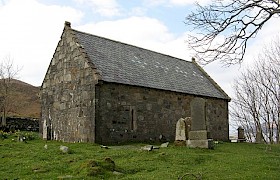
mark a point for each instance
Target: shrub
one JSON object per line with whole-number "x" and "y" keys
{"x": 26, "y": 136}
{"x": 4, "y": 135}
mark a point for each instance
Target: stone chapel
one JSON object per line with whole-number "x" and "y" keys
{"x": 104, "y": 91}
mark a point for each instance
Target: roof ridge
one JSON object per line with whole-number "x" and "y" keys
{"x": 116, "y": 41}
{"x": 173, "y": 74}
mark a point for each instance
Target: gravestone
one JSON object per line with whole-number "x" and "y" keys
{"x": 182, "y": 131}
{"x": 198, "y": 133}
{"x": 241, "y": 136}
{"x": 198, "y": 114}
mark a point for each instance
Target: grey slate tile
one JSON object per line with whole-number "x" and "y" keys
{"x": 126, "y": 64}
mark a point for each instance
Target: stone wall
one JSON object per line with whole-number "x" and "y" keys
{"x": 68, "y": 94}
{"x": 76, "y": 107}
{"x": 128, "y": 113}
{"x": 22, "y": 124}
{"x": 217, "y": 119}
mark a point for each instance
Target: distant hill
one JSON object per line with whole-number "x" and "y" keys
{"x": 24, "y": 100}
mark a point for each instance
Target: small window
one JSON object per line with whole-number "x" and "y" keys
{"x": 133, "y": 119}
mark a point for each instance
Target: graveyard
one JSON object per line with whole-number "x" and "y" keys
{"x": 35, "y": 158}
{"x": 140, "y": 89}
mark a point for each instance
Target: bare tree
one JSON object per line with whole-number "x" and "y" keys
{"x": 224, "y": 28}
{"x": 256, "y": 106}
{"x": 8, "y": 72}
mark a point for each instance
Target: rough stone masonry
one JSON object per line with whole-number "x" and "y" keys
{"x": 104, "y": 91}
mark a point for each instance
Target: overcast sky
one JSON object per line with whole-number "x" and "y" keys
{"x": 31, "y": 29}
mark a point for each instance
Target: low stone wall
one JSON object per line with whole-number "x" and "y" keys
{"x": 22, "y": 124}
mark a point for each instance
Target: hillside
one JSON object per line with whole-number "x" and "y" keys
{"x": 23, "y": 100}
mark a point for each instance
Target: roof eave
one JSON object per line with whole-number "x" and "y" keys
{"x": 211, "y": 80}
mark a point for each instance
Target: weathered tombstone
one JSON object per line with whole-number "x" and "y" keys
{"x": 180, "y": 139}
{"x": 241, "y": 136}
{"x": 198, "y": 132}
{"x": 198, "y": 114}
{"x": 182, "y": 131}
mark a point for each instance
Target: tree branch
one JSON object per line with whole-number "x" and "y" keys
{"x": 222, "y": 30}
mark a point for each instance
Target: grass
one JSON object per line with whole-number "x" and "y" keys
{"x": 31, "y": 160}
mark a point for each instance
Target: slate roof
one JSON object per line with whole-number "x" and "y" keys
{"x": 127, "y": 64}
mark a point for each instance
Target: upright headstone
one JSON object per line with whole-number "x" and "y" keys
{"x": 180, "y": 130}
{"x": 241, "y": 135}
{"x": 198, "y": 133}
{"x": 198, "y": 114}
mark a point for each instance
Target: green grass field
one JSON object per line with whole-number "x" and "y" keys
{"x": 31, "y": 160}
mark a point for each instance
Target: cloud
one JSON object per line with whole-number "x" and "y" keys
{"x": 30, "y": 33}
{"x": 175, "y": 2}
{"x": 145, "y": 32}
{"x": 32, "y": 30}
{"x": 266, "y": 35}
{"x": 188, "y": 2}
{"x": 106, "y": 8}
{"x": 225, "y": 76}
{"x": 132, "y": 30}
{"x": 154, "y": 2}
{"x": 138, "y": 11}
